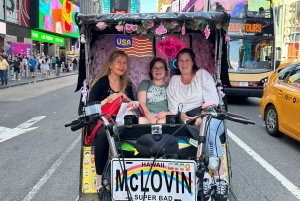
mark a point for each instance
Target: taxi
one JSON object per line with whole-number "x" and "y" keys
{"x": 280, "y": 104}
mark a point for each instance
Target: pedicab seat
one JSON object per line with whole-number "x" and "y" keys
{"x": 138, "y": 142}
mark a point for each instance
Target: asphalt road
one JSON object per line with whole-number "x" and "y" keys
{"x": 42, "y": 162}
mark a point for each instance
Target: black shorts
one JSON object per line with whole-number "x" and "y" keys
{"x": 17, "y": 70}
{"x": 32, "y": 70}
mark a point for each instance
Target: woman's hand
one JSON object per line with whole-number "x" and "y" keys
{"x": 162, "y": 115}
{"x": 153, "y": 120}
{"x": 198, "y": 122}
{"x": 114, "y": 96}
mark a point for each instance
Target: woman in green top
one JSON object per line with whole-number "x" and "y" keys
{"x": 152, "y": 94}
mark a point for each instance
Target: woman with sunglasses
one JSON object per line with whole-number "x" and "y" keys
{"x": 152, "y": 94}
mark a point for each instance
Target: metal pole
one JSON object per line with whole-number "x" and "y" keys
{"x": 26, "y": 72}
{"x": 179, "y": 7}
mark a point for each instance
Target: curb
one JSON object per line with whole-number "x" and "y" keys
{"x": 34, "y": 81}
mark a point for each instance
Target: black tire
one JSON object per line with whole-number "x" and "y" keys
{"x": 271, "y": 122}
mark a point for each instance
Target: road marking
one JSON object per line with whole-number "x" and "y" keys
{"x": 259, "y": 99}
{"x": 282, "y": 179}
{"x": 49, "y": 173}
{"x": 8, "y": 133}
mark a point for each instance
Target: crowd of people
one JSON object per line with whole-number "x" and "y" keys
{"x": 191, "y": 87}
{"x": 42, "y": 63}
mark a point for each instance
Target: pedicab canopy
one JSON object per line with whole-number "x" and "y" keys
{"x": 144, "y": 36}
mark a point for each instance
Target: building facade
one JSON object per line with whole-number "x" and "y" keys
{"x": 53, "y": 27}
{"x": 15, "y": 27}
{"x": 290, "y": 31}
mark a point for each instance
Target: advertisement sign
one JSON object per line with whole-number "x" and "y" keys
{"x": 134, "y": 6}
{"x": 20, "y": 48}
{"x": 2, "y": 28}
{"x": 105, "y": 8}
{"x": 18, "y": 12}
{"x": 188, "y": 5}
{"x": 45, "y": 37}
{"x": 58, "y": 16}
{"x": 120, "y": 11}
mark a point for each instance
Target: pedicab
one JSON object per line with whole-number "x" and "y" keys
{"x": 133, "y": 172}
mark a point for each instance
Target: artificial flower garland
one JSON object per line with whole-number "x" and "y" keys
{"x": 150, "y": 28}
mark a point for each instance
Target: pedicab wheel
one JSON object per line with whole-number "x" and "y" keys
{"x": 271, "y": 122}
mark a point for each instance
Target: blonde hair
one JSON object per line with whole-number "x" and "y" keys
{"x": 106, "y": 70}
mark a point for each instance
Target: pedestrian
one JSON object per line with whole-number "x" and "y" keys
{"x": 261, "y": 13}
{"x": 3, "y": 70}
{"x": 17, "y": 64}
{"x": 53, "y": 63}
{"x": 58, "y": 66}
{"x": 46, "y": 67}
{"x": 74, "y": 64}
{"x": 32, "y": 65}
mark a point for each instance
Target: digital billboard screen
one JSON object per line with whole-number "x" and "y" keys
{"x": 58, "y": 16}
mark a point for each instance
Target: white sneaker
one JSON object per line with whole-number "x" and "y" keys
{"x": 19, "y": 79}
{"x": 13, "y": 79}
{"x": 207, "y": 186}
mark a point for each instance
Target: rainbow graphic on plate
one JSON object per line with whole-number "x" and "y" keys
{"x": 183, "y": 143}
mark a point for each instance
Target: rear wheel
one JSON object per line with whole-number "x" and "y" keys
{"x": 271, "y": 121}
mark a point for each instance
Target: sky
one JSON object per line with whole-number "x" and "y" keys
{"x": 148, "y": 6}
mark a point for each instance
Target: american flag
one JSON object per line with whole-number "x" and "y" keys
{"x": 141, "y": 47}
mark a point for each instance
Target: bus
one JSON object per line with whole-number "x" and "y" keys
{"x": 251, "y": 50}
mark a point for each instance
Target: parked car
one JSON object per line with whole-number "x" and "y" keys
{"x": 280, "y": 104}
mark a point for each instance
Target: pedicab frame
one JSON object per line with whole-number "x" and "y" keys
{"x": 87, "y": 25}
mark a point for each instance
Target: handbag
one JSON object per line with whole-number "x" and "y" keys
{"x": 110, "y": 109}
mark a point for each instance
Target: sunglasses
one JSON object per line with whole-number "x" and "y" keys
{"x": 131, "y": 27}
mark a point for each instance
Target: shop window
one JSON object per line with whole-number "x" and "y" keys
{"x": 2, "y": 10}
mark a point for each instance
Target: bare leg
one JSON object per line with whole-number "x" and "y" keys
{"x": 143, "y": 120}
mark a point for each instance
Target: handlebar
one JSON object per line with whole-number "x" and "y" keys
{"x": 83, "y": 122}
{"x": 223, "y": 116}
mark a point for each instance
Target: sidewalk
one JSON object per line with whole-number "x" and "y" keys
{"x": 39, "y": 77}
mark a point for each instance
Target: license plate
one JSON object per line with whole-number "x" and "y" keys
{"x": 169, "y": 180}
{"x": 243, "y": 84}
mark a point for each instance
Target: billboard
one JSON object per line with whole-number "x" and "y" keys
{"x": 58, "y": 16}
{"x": 105, "y": 6}
{"x": 18, "y": 48}
{"x": 18, "y": 12}
{"x": 48, "y": 38}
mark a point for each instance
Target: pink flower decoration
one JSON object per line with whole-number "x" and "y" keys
{"x": 144, "y": 32}
{"x": 161, "y": 30}
{"x": 150, "y": 24}
{"x": 174, "y": 24}
{"x": 183, "y": 29}
{"x": 84, "y": 91}
{"x": 218, "y": 26}
{"x": 120, "y": 28}
{"x": 101, "y": 26}
{"x": 227, "y": 38}
{"x": 207, "y": 31}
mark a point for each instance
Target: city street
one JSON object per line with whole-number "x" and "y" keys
{"x": 40, "y": 158}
